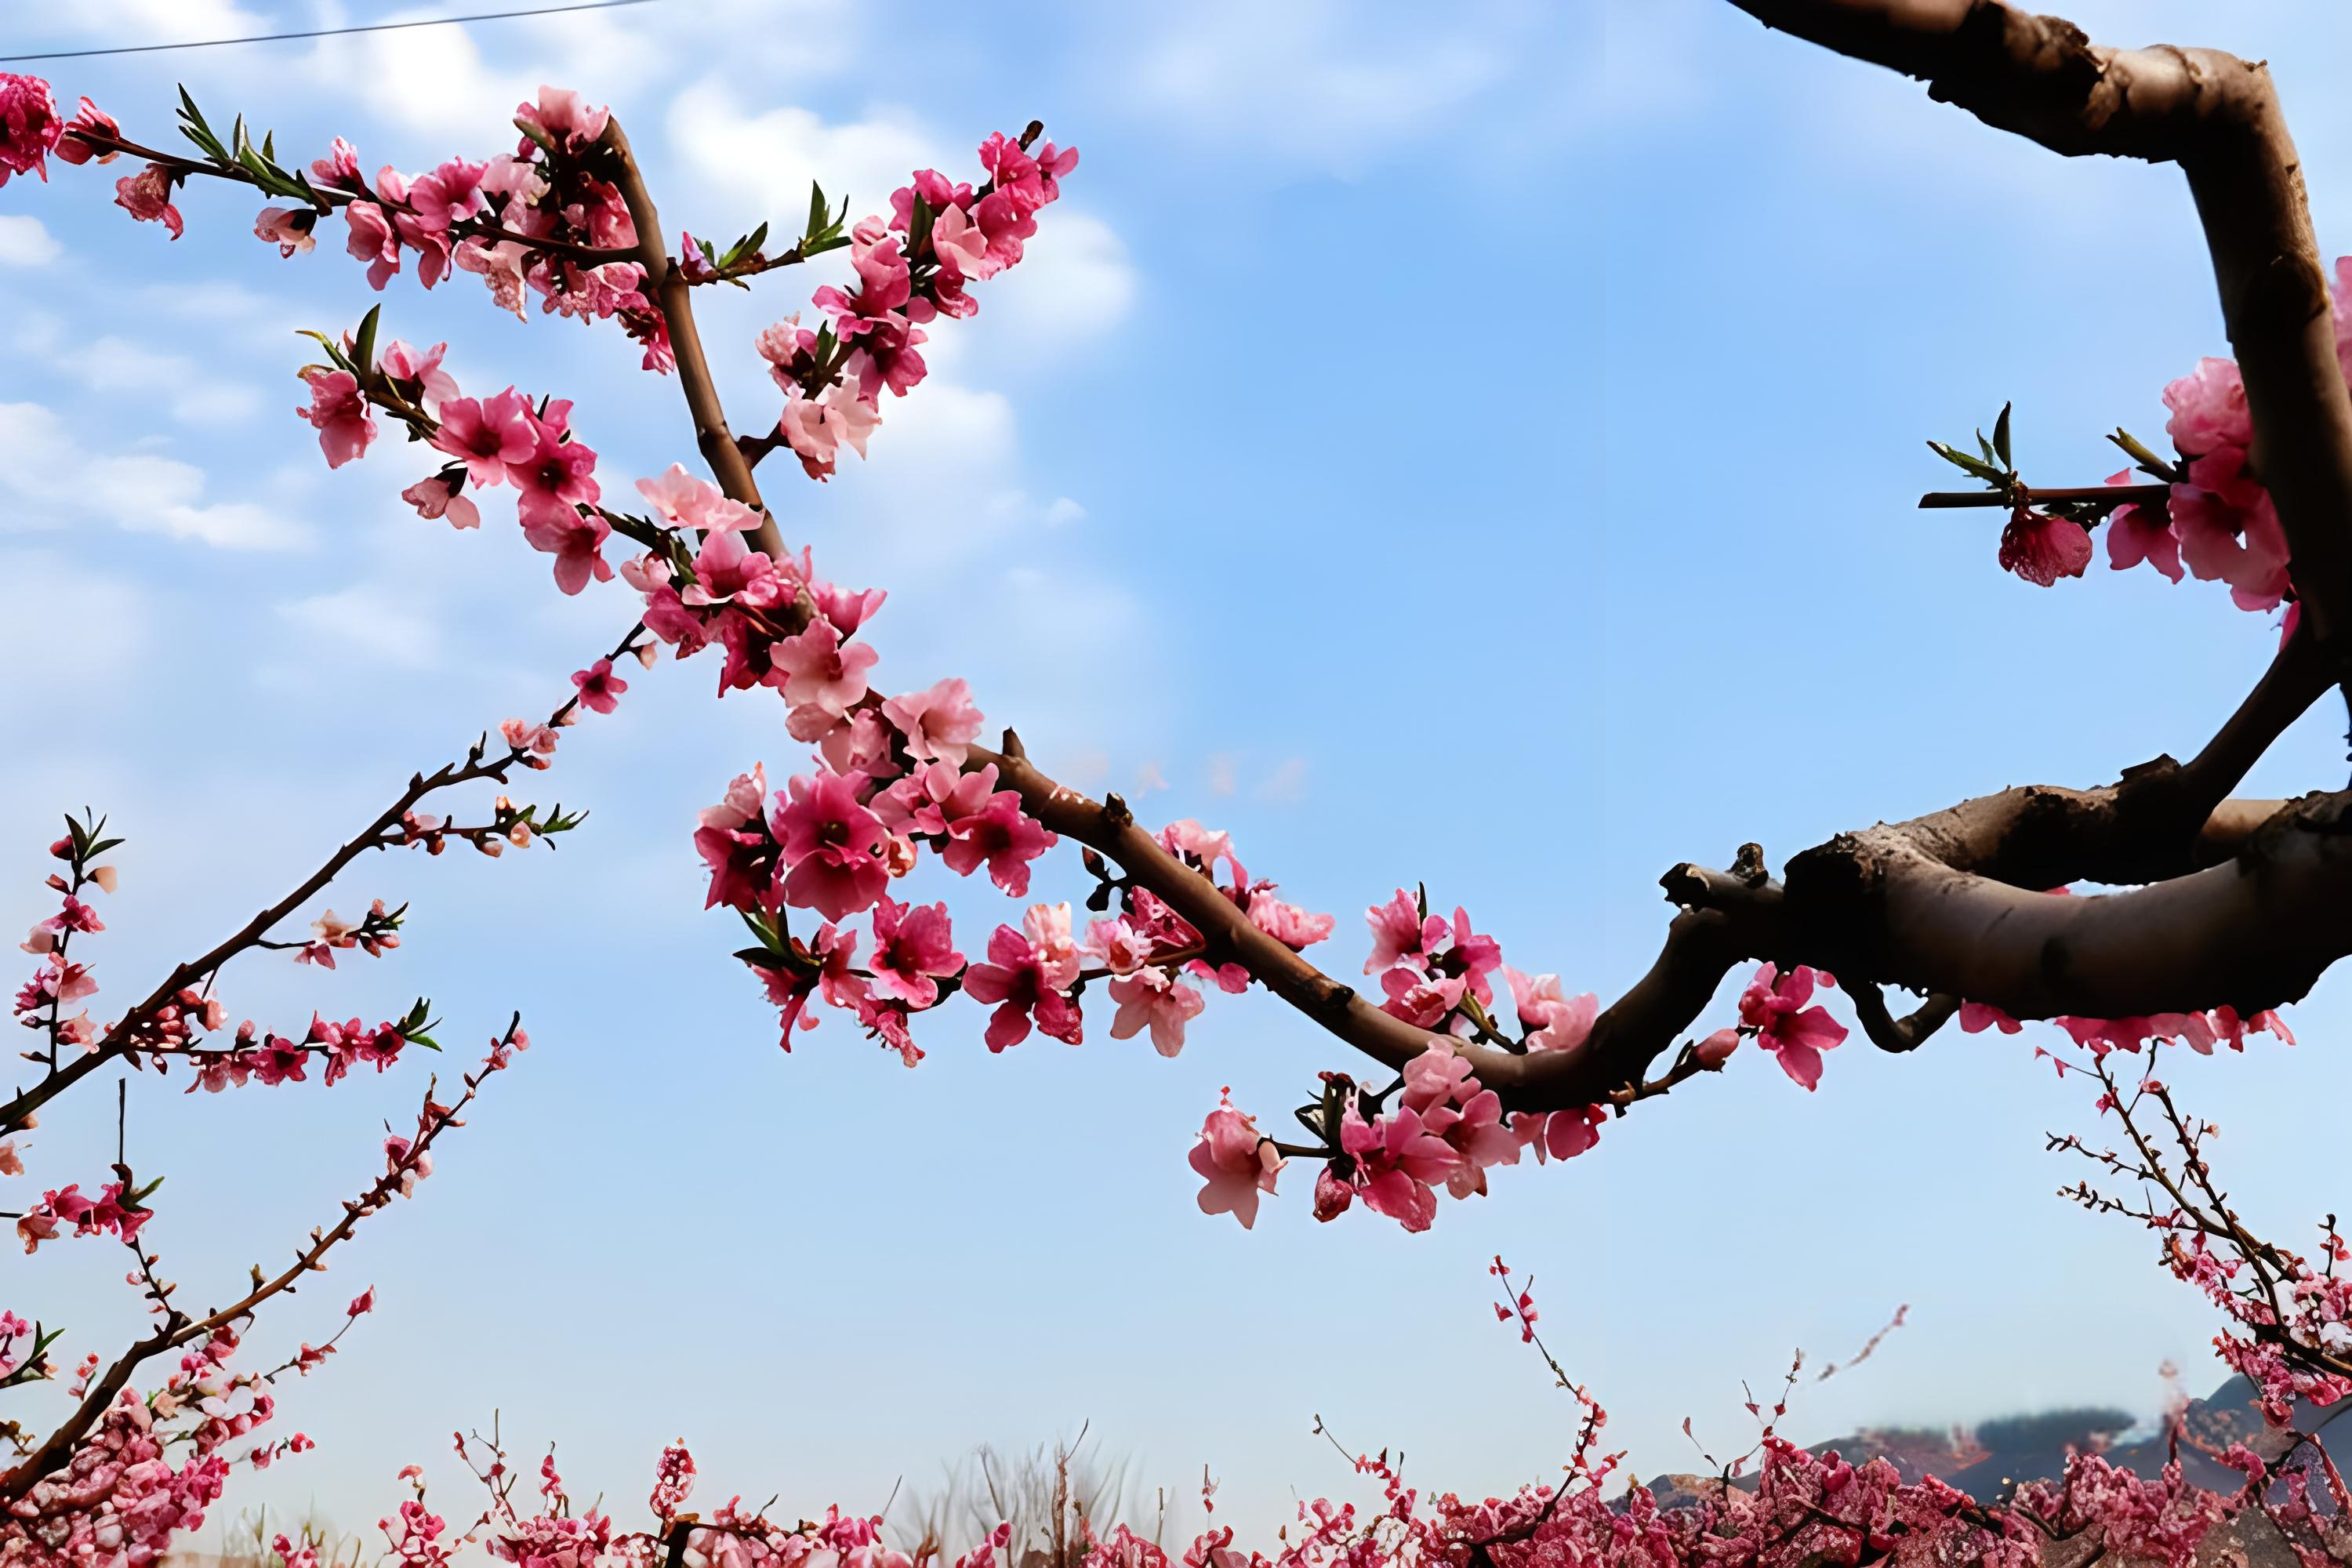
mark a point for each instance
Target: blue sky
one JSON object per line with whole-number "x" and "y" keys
{"x": 1476, "y": 447}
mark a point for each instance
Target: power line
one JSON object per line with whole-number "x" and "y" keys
{"x": 324, "y": 32}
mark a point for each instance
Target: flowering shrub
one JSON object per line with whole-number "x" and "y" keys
{"x": 897, "y": 781}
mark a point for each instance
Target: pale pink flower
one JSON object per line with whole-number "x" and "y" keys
{"x": 1116, "y": 945}
{"x": 339, "y": 415}
{"x": 372, "y": 238}
{"x": 684, "y": 500}
{"x": 1423, "y": 1001}
{"x": 501, "y": 269}
{"x": 567, "y": 121}
{"x": 2209, "y": 408}
{"x": 1287, "y": 923}
{"x": 576, "y": 539}
{"x": 939, "y": 723}
{"x": 436, "y": 496}
{"x": 406, "y": 361}
{"x": 1439, "y": 1076}
{"x": 1396, "y": 931}
{"x": 819, "y": 671}
{"x": 1234, "y": 1164}
{"x": 288, "y": 229}
{"x": 746, "y": 797}
{"x": 1153, "y": 999}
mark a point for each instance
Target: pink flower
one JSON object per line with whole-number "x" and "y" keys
{"x": 1002, "y": 834}
{"x": 339, "y": 415}
{"x": 1424, "y": 1002}
{"x": 565, "y": 119}
{"x": 575, "y": 539}
{"x": 1439, "y": 1076}
{"x": 1397, "y": 1158}
{"x": 932, "y": 797}
{"x": 1154, "y": 999}
{"x": 1117, "y": 945}
{"x": 1716, "y": 1048}
{"x": 1028, "y": 974}
{"x": 420, "y": 368}
{"x": 1287, "y": 923}
{"x": 1774, "y": 1006}
{"x": 29, "y": 126}
{"x": 2043, "y": 548}
{"x": 436, "y": 495}
{"x": 2209, "y": 408}
{"x": 600, "y": 688}
{"x": 147, "y": 196}
{"x": 1553, "y": 1022}
{"x": 684, "y": 500}
{"x": 449, "y": 193}
{"x": 487, "y": 434}
{"x": 938, "y": 723}
{"x": 2136, "y": 534}
{"x": 1234, "y": 1164}
{"x": 726, "y": 569}
{"x": 288, "y": 229}
{"x": 1976, "y": 1017}
{"x": 1568, "y": 1133}
{"x": 370, "y": 239}
{"x": 832, "y": 847}
{"x": 361, "y": 1304}
{"x": 820, "y": 672}
{"x": 2230, "y": 529}
{"x": 1396, "y": 931}
{"x": 913, "y": 951}
{"x": 559, "y": 476}
{"x": 90, "y": 118}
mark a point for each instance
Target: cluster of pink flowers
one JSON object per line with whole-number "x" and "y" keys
{"x": 29, "y": 126}
{"x": 525, "y": 222}
{"x": 911, "y": 270}
{"x": 2218, "y": 522}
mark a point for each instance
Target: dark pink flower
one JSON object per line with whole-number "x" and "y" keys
{"x": 487, "y": 434}
{"x": 147, "y": 196}
{"x": 29, "y": 126}
{"x": 1774, "y": 1006}
{"x": 832, "y": 847}
{"x": 600, "y": 688}
{"x": 90, "y": 118}
{"x": 1000, "y": 834}
{"x": 2043, "y": 548}
{"x": 1027, "y": 975}
{"x": 913, "y": 951}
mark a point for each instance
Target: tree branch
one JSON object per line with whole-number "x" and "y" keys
{"x": 2218, "y": 117}
{"x": 728, "y": 463}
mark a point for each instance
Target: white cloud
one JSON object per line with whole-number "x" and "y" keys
{"x": 24, "y": 242}
{"x": 370, "y": 622}
{"x": 1075, "y": 281}
{"x": 765, "y": 161}
{"x": 1310, "y": 81}
{"x": 116, "y": 364}
{"x": 58, "y": 484}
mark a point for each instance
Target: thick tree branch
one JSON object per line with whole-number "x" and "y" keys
{"x": 2218, "y": 117}
{"x": 671, "y": 292}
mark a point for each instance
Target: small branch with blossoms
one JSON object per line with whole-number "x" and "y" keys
{"x": 50, "y": 1486}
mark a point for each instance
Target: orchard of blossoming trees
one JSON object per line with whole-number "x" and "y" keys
{"x": 2233, "y": 906}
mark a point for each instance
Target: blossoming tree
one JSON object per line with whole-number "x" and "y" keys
{"x": 2233, "y": 906}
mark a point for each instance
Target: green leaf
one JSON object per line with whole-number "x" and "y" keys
{"x": 758, "y": 238}
{"x": 363, "y": 351}
{"x": 2001, "y": 436}
{"x": 1960, "y": 460}
{"x": 919, "y": 226}
{"x": 269, "y": 145}
{"x": 816, "y": 210}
